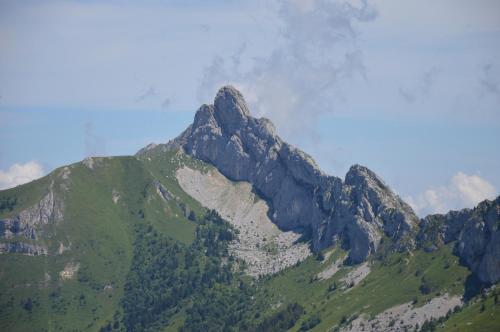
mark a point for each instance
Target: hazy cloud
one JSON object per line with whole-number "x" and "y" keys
{"x": 487, "y": 80}
{"x": 302, "y": 77}
{"x": 204, "y": 27}
{"x": 422, "y": 88}
{"x": 463, "y": 191}
{"x": 94, "y": 145}
{"x": 153, "y": 98}
{"x": 150, "y": 92}
{"x": 20, "y": 173}
{"x": 166, "y": 104}
{"x": 407, "y": 95}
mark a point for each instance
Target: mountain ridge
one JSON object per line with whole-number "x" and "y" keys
{"x": 356, "y": 213}
{"x": 165, "y": 241}
{"x": 301, "y": 195}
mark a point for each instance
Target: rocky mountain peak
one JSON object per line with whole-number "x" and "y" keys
{"x": 230, "y": 109}
{"x": 358, "y": 174}
{"x": 356, "y": 212}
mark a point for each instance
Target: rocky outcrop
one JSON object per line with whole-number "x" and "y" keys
{"x": 477, "y": 232}
{"x": 162, "y": 191}
{"x": 356, "y": 213}
{"x": 28, "y": 222}
{"x": 367, "y": 210}
{"x": 259, "y": 243}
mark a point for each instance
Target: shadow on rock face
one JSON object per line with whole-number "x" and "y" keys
{"x": 473, "y": 287}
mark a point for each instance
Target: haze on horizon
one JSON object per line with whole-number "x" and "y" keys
{"x": 411, "y": 90}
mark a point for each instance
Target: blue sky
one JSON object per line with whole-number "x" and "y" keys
{"x": 410, "y": 89}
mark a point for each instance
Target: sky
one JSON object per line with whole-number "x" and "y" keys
{"x": 410, "y": 89}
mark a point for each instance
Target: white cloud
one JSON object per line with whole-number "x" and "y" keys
{"x": 20, "y": 173}
{"x": 463, "y": 191}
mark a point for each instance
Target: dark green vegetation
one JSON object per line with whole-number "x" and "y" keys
{"x": 167, "y": 276}
{"x": 282, "y": 320}
{"x": 7, "y": 204}
{"x": 99, "y": 234}
{"x": 144, "y": 262}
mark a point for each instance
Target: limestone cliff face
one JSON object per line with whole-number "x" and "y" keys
{"x": 367, "y": 210}
{"x": 477, "y": 232}
{"x": 356, "y": 212}
{"x": 28, "y": 225}
{"x": 28, "y": 221}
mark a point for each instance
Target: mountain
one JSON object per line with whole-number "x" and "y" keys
{"x": 229, "y": 228}
{"x": 356, "y": 212}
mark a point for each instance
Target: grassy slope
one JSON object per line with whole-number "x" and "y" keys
{"x": 163, "y": 165}
{"x": 101, "y": 236}
{"x": 390, "y": 283}
{"x": 475, "y": 317}
{"x": 27, "y": 195}
{"x": 100, "y": 233}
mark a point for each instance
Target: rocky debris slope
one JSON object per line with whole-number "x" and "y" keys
{"x": 264, "y": 247}
{"x": 477, "y": 232}
{"x": 330, "y": 270}
{"x": 354, "y": 277}
{"x": 405, "y": 317}
{"x": 356, "y": 212}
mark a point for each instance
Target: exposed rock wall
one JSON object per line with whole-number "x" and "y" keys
{"x": 356, "y": 213}
{"x": 28, "y": 224}
{"x": 162, "y": 191}
{"x": 477, "y": 232}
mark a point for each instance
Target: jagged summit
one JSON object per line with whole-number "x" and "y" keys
{"x": 356, "y": 213}
{"x": 358, "y": 171}
{"x": 230, "y": 109}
